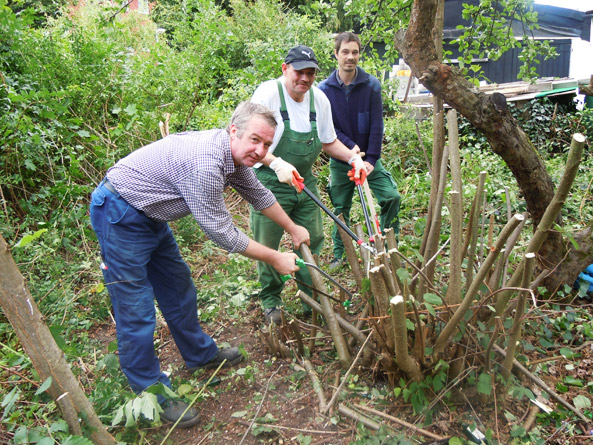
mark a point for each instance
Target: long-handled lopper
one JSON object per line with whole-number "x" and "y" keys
{"x": 302, "y": 263}
{"x": 365, "y": 209}
{"x": 367, "y": 191}
{"x": 301, "y": 186}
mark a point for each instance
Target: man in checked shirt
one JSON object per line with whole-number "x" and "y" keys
{"x": 181, "y": 174}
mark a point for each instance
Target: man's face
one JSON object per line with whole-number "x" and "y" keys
{"x": 348, "y": 56}
{"x": 252, "y": 146}
{"x": 298, "y": 82}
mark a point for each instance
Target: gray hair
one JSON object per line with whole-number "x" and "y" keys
{"x": 245, "y": 111}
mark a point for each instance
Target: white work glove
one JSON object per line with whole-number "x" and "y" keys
{"x": 285, "y": 172}
{"x": 356, "y": 162}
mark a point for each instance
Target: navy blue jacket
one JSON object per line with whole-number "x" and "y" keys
{"x": 357, "y": 112}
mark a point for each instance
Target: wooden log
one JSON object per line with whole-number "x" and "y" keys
{"x": 47, "y": 358}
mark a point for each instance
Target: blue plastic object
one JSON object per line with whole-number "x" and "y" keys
{"x": 585, "y": 276}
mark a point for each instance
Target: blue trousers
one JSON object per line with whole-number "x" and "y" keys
{"x": 141, "y": 262}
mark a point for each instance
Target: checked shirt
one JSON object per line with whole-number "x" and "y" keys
{"x": 187, "y": 173}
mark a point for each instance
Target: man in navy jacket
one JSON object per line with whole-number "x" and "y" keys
{"x": 357, "y": 110}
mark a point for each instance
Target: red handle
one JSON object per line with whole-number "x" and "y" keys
{"x": 298, "y": 181}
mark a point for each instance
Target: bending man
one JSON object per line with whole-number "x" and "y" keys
{"x": 181, "y": 174}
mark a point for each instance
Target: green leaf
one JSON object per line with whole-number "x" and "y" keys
{"x": 118, "y": 417}
{"x": 259, "y": 429}
{"x": 518, "y": 431}
{"x": 29, "y": 238}
{"x": 160, "y": 389}
{"x": 484, "y": 385}
{"x": 239, "y": 414}
{"x": 573, "y": 382}
{"x": 567, "y": 353}
{"x": 9, "y": 400}
{"x": 403, "y": 274}
{"x": 430, "y": 309}
{"x": 184, "y": 389}
{"x": 44, "y": 387}
{"x": 55, "y": 332}
{"x": 149, "y": 407}
{"x": 304, "y": 440}
{"x": 58, "y": 426}
{"x": 433, "y": 299}
{"x": 581, "y": 402}
{"x": 77, "y": 440}
{"x": 131, "y": 110}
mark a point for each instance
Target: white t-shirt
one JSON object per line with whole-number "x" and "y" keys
{"x": 267, "y": 94}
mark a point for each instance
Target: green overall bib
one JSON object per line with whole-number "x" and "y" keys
{"x": 301, "y": 150}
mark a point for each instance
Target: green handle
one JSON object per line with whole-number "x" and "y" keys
{"x": 299, "y": 262}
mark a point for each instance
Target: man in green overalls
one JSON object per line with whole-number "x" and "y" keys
{"x": 305, "y": 128}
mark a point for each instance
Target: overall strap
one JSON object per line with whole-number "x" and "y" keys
{"x": 283, "y": 109}
{"x": 312, "y": 112}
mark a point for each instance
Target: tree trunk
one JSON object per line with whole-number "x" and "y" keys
{"x": 47, "y": 358}
{"x": 490, "y": 115}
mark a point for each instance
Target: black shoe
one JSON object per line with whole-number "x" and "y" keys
{"x": 336, "y": 264}
{"x": 173, "y": 409}
{"x": 231, "y": 355}
{"x": 272, "y": 315}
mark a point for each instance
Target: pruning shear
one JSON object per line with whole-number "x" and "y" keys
{"x": 359, "y": 181}
{"x": 302, "y": 263}
{"x": 300, "y": 184}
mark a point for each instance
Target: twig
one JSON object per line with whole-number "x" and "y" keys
{"x": 260, "y": 405}
{"x": 200, "y": 392}
{"x": 343, "y": 409}
{"x": 337, "y": 393}
{"x": 402, "y": 423}
{"x": 316, "y": 385}
{"x": 301, "y": 430}
{"x": 26, "y": 379}
{"x": 423, "y": 147}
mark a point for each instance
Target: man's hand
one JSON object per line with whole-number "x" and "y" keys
{"x": 284, "y": 171}
{"x": 357, "y": 164}
{"x": 299, "y": 236}
{"x": 369, "y": 167}
{"x": 285, "y": 263}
